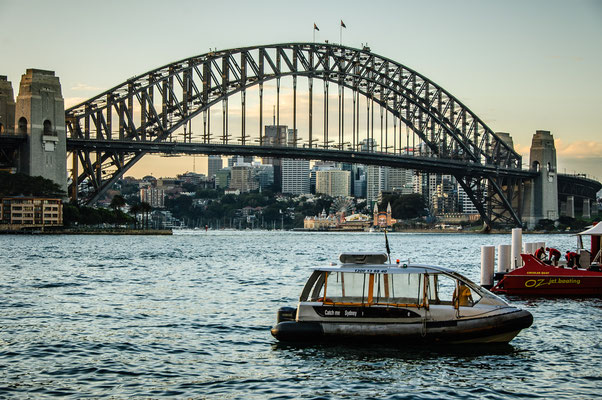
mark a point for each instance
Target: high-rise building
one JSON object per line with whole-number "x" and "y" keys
{"x": 444, "y": 197}
{"x": 400, "y": 180}
{"x": 333, "y": 182}
{"x": 376, "y": 182}
{"x": 153, "y": 196}
{"x": 275, "y": 135}
{"x": 237, "y": 160}
{"x": 466, "y": 205}
{"x": 242, "y": 178}
{"x": 263, "y": 174}
{"x": 295, "y": 176}
{"x": 319, "y": 166}
{"x": 222, "y": 178}
{"x": 214, "y": 164}
{"x": 359, "y": 181}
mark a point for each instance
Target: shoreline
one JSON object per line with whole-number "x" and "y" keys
{"x": 113, "y": 232}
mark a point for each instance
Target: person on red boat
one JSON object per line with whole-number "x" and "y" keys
{"x": 540, "y": 254}
{"x": 572, "y": 259}
{"x": 554, "y": 255}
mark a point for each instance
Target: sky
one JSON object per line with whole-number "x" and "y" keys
{"x": 521, "y": 66}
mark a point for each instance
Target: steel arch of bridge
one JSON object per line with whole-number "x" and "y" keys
{"x": 168, "y": 97}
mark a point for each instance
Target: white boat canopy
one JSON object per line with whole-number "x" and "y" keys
{"x": 595, "y": 230}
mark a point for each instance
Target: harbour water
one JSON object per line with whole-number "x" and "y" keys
{"x": 188, "y": 316}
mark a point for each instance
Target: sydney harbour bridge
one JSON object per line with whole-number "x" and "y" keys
{"x": 385, "y": 114}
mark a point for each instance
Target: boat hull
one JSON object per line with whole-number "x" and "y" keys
{"x": 500, "y": 328}
{"x": 538, "y": 279}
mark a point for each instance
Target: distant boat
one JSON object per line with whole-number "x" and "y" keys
{"x": 535, "y": 278}
{"x": 366, "y": 300}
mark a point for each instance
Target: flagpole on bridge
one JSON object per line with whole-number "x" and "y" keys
{"x": 315, "y": 29}
{"x": 341, "y": 32}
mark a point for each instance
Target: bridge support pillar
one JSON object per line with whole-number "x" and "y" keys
{"x": 586, "y": 209}
{"x": 541, "y": 194}
{"x": 40, "y": 114}
{"x": 570, "y": 206}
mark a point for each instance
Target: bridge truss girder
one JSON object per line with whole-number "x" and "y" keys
{"x": 168, "y": 97}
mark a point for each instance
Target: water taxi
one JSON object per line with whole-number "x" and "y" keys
{"x": 364, "y": 298}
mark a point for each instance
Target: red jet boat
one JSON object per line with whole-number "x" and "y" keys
{"x": 535, "y": 278}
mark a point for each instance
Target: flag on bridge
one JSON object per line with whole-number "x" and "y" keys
{"x": 316, "y": 27}
{"x": 343, "y": 24}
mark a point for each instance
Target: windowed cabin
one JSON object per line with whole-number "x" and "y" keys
{"x": 388, "y": 287}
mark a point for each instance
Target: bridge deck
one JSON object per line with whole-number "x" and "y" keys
{"x": 428, "y": 164}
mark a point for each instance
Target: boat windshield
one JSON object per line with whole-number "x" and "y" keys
{"x": 402, "y": 290}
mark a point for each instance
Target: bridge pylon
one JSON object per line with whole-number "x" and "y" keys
{"x": 40, "y": 116}
{"x": 541, "y": 193}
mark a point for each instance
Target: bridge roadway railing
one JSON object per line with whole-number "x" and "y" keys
{"x": 426, "y": 164}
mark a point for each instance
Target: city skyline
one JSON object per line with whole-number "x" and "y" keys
{"x": 520, "y": 67}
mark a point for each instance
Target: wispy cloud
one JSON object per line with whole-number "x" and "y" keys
{"x": 579, "y": 148}
{"x": 71, "y": 101}
{"x": 85, "y": 88}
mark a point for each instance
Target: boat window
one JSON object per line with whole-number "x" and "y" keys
{"x": 467, "y": 297}
{"x": 398, "y": 288}
{"x": 446, "y": 290}
{"x": 356, "y": 288}
{"x": 346, "y": 287}
{"x": 441, "y": 289}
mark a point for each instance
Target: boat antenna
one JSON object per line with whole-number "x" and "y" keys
{"x": 387, "y": 246}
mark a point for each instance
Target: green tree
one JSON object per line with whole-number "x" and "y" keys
{"x": 117, "y": 202}
{"x": 405, "y": 206}
{"x": 146, "y": 209}
{"x": 70, "y": 214}
{"x": 135, "y": 209}
{"x": 22, "y": 184}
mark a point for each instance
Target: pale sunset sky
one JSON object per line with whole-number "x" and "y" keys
{"x": 519, "y": 65}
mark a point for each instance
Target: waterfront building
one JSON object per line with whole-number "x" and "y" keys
{"x": 30, "y": 212}
{"x": 356, "y": 222}
{"x": 321, "y": 222}
{"x": 333, "y": 182}
{"x": 383, "y": 219}
{"x": 295, "y": 176}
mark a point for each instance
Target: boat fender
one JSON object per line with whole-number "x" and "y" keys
{"x": 286, "y": 314}
{"x": 297, "y": 331}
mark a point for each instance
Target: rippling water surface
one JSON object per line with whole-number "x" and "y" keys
{"x": 189, "y": 315}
